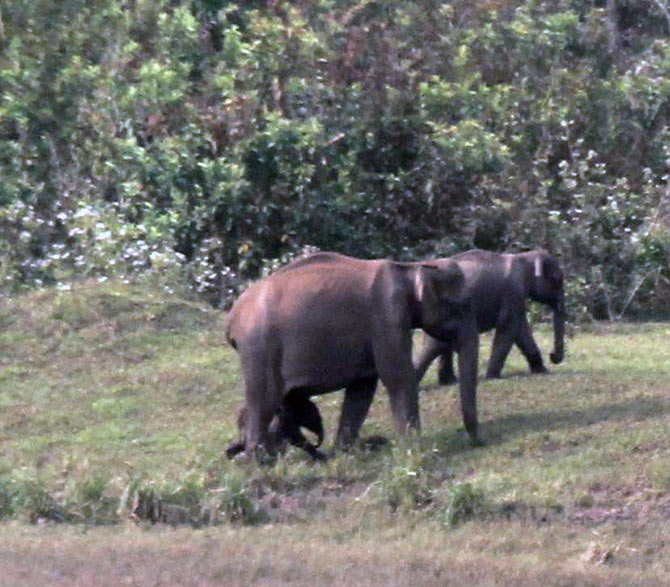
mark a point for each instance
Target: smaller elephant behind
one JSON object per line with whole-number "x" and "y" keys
{"x": 500, "y": 285}
{"x": 297, "y": 411}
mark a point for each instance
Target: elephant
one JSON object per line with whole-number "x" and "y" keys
{"x": 499, "y": 285}
{"x": 328, "y": 322}
{"x": 297, "y": 411}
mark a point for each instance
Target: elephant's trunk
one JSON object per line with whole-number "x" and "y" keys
{"x": 468, "y": 352}
{"x": 559, "y": 331}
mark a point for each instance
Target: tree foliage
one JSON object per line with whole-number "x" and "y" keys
{"x": 212, "y": 139}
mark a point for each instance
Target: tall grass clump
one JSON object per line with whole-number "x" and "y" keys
{"x": 189, "y": 500}
{"x": 405, "y": 482}
{"x": 90, "y": 499}
{"x": 466, "y": 502}
{"x": 6, "y": 498}
{"x": 33, "y": 502}
{"x": 233, "y": 501}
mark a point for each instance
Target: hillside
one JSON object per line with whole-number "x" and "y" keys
{"x": 118, "y": 401}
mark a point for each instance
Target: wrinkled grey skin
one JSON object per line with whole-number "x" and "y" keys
{"x": 499, "y": 286}
{"x": 329, "y": 322}
{"x": 297, "y": 411}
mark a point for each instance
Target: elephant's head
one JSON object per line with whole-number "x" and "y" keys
{"x": 546, "y": 287}
{"x": 440, "y": 292}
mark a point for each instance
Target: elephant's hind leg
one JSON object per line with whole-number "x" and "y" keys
{"x": 502, "y": 344}
{"x": 357, "y": 399}
{"x": 263, "y": 401}
{"x": 445, "y": 369}
{"x": 529, "y": 348}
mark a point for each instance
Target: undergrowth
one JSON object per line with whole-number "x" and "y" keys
{"x": 118, "y": 402}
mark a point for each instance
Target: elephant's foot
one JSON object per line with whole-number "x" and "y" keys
{"x": 374, "y": 442}
{"x": 345, "y": 442}
{"x": 556, "y": 358}
{"x": 370, "y": 444}
{"x": 260, "y": 455}
{"x": 473, "y": 439}
{"x": 235, "y": 448}
{"x": 493, "y": 374}
{"x": 313, "y": 452}
{"x": 476, "y": 441}
{"x": 447, "y": 379}
{"x": 535, "y": 363}
{"x": 317, "y": 455}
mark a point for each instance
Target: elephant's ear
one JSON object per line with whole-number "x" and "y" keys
{"x": 546, "y": 266}
{"x": 437, "y": 289}
{"x": 424, "y": 284}
{"x": 440, "y": 283}
{"x": 425, "y": 291}
{"x": 451, "y": 282}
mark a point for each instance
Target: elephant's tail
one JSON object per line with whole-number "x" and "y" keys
{"x": 229, "y": 337}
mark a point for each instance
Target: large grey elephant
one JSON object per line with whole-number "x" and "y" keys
{"x": 329, "y": 322}
{"x": 499, "y": 286}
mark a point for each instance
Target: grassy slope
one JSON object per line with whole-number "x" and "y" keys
{"x": 110, "y": 394}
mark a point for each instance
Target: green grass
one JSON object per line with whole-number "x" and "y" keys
{"x": 117, "y": 403}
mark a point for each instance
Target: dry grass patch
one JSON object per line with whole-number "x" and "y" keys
{"x": 378, "y": 552}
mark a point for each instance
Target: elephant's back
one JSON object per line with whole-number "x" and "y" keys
{"x": 328, "y": 261}
{"x": 317, "y": 289}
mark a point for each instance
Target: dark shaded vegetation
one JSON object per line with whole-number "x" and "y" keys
{"x": 207, "y": 141}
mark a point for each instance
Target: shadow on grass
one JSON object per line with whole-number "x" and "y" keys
{"x": 501, "y": 429}
{"x": 511, "y": 375}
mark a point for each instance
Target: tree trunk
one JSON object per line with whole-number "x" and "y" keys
{"x": 614, "y": 40}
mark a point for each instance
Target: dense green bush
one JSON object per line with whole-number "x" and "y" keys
{"x": 204, "y": 142}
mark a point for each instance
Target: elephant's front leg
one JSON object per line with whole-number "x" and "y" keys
{"x": 468, "y": 359}
{"x": 393, "y": 358}
{"x": 529, "y": 348}
{"x": 357, "y": 399}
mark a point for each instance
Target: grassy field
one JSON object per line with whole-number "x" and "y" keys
{"x": 116, "y": 403}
